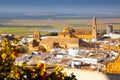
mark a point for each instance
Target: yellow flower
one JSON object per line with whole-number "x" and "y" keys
{"x": 62, "y": 78}
{"x": 65, "y": 74}
{"x": 42, "y": 72}
{"x": 56, "y": 72}
{"x": 44, "y": 67}
{"x": 58, "y": 69}
{"x": 38, "y": 64}
{"x": 3, "y": 56}
{"x": 13, "y": 56}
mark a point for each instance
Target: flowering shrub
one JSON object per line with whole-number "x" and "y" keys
{"x": 6, "y": 59}
{"x": 9, "y": 71}
{"x": 58, "y": 75}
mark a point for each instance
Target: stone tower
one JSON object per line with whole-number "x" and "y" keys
{"x": 109, "y": 29}
{"x": 36, "y": 35}
{"x": 94, "y": 29}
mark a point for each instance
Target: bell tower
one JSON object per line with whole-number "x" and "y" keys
{"x": 94, "y": 29}
{"x": 36, "y": 35}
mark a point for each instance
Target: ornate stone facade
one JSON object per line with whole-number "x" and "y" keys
{"x": 69, "y": 37}
{"x": 69, "y": 32}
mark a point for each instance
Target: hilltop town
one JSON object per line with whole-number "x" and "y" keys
{"x": 83, "y": 49}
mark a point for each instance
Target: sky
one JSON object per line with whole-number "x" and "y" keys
{"x": 60, "y": 6}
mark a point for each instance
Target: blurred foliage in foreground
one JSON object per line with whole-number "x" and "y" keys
{"x": 9, "y": 71}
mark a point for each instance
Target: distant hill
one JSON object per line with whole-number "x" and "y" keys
{"x": 46, "y": 16}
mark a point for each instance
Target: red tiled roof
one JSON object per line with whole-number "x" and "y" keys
{"x": 61, "y": 41}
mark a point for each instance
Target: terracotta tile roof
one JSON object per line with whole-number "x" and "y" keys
{"x": 50, "y": 40}
{"x": 83, "y": 32}
{"x": 65, "y": 60}
{"x": 77, "y": 31}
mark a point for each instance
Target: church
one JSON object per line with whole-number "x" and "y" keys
{"x": 90, "y": 35}
{"x": 68, "y": 38}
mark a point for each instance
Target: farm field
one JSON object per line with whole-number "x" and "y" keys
{"x": 26, "y": 27}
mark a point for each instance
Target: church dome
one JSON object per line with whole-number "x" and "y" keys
{"x": 68, "y": 29}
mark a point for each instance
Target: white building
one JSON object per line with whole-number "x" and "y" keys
{"x": 58, "y": 50}
{"x": 112, "y": 35}
{"x": 73, "y": 51}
